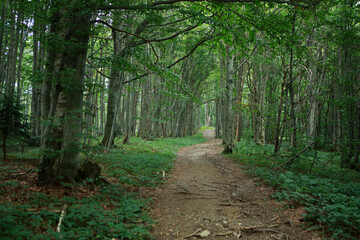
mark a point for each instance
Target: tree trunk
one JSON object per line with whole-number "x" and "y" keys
{"x": 292, "y": 93}
{"x": 69, "y": 67}
{"x": 240, "y": 87}
{"x": 278, "y": 122}
{"x": 228, "y": 135}
{"x": 115, "y": 85}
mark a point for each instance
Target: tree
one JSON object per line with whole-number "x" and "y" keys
{"x": 70, "y": 21}
{"x": 13, "y": 124}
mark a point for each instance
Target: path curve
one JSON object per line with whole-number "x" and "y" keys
{"x": 208, "y": 193}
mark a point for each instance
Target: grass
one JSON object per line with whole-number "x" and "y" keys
{"x": 142, "y": 163}
{"x": 330, "y": 194}
{"x": 108, "y": 211}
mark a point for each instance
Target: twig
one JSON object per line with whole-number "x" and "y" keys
{"x": 273, "y": 230}
{"x": 193, "y": 234}
{"x": 256, "y": 228}
{"x": 62, "y": 215}
{"x": 223, "y": 234}
{"x": 291, "y": 159}
{"x": 275, "y": 218}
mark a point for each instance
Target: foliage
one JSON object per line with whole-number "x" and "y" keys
{"x": 203, "y": 128}
{"x": 142, "y": 163}
{"x": 13, "y": 124}
{"x": 112, "y": 211}
{"x": 94, "y": 212}
{"x": 332, "y": 202}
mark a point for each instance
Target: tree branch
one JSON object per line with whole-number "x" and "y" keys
{"x": 163, "y": 4}
{"x": 173, "y": 36}
{"x": 169, "y": 23}
{"x": 102, "y": 74}
{"x": 291, "y": 159}
{"x": 252, "y": 52}
{"x": 177, "y": 61}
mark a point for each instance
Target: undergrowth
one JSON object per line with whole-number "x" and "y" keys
{"x": 109, "y": 211}
{"x": 330, "y": 194}
{"x": 143, "y": 163}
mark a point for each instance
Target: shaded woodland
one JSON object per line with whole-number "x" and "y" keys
{"x": 78, "y": 74}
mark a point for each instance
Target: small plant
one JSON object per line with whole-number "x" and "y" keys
{"x": 332, "y": 199}
{"x": 106, "y": 211}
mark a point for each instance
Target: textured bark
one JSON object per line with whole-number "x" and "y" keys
{"x": 239, "y": 92}
{"x": 69, "y": 67}
{"x": 259, "y": 79}
{"x": 10, "y": 77}
{"x": 278, "y": 122}
{"x": 228, "y": 135}
{"x": 292, "y": 93}
{"x": 314, "y": 90}
{"x": 122, "y": 46}
{"x": 3, "y": 41}
{"x": 115, "y": 85}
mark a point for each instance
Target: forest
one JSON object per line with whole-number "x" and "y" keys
{"x": 96, "y": 98}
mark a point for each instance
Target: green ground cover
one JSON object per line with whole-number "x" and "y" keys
{"x": 94, "y": 211}
{"x": 330, "y": 194}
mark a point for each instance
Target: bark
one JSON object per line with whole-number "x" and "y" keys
{"x": 69, "y": 67}
{"x": 292, "y": 93}
{"x": 3, "y": 41}
{"x": 10, "y": 78}
{"x": 228, "y": 135}
{"x": 122, "y": 46}
{"x": 278, "y": 122}
{"x": 115, "y": 85}
{"x": 19, "y": 83}
{"x": 257, "y": 102}
{"x": 36, "y": 87}
{"x": 239, "y": 92}
{"x": 102, "y": 108}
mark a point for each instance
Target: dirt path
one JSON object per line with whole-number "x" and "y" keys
{"x": 208, "y": 193}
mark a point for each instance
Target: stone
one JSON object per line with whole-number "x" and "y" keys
{"x": 204, "y": 234}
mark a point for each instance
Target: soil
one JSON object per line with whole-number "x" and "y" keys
{"x": 209, "y": 196}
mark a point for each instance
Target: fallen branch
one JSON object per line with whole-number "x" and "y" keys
{"x": 224, "y": 234}
{"x": 256, "y": 228}
{"x": 194, "y": 233}
{"x": 273, "y": 230}
{"x": 296, "y": 155}
{"x": 63, "y": 212}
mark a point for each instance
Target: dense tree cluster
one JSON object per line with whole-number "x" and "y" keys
{"x": 273, "y": 70}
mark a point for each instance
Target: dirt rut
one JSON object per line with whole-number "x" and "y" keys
{"x": 208, "y": 196}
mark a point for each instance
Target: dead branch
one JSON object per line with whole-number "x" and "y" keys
{"x": 273, "y": 230}
{"x": 62, "y": 215}
{"x": 224, "y": 234}
{"x": 194, "y": 233}
{"x": 256, "y": 228}
{"x": 296, "y": 155}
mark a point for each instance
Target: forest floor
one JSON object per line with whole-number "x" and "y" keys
{"x": 209, "y": 196}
